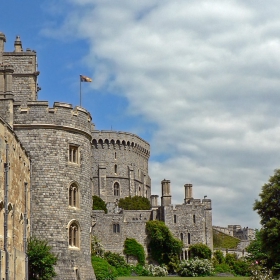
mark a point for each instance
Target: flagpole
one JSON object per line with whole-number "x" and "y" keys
{"x": 80, "y": 92}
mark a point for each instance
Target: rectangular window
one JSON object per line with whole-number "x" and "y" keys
{"x": 73, "y": 154}
{"x": 175, "y": 219}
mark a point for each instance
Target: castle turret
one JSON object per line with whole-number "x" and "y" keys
{"x": 154, "y": 201}
{"x": 165, "y": 192}
{"x": 188, "y": 193}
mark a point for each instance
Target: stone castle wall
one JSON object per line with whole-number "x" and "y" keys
{"x": 18, "y": 202}
{"x": 47, "y": 133}
{"x": 123, "y": 158}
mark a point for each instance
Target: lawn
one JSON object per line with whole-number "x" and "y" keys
{"x": 181, "y": 278}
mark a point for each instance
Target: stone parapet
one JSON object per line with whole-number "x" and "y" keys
{"x": 62, "y": 115}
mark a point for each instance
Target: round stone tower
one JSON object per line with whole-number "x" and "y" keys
{"x": 59, "y": 142}
{"x": 120, "y": 166}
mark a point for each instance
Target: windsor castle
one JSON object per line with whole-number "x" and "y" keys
{"x": 53, "y": 161}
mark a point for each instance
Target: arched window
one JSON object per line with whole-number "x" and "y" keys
{"x": 74, "y": 235}
{"x": 189, "y": 238}
{"x": 116, "y": 228}
{"x": 116, "y": 189}
{"x": 194, "y": 219}
{"x": 73, "y": 195}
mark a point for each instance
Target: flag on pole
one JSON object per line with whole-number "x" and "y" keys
{"x": 85, "y": 79}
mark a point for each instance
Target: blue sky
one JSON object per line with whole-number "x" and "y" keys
{"x": 197, "y": 79}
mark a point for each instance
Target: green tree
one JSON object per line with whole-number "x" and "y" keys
{"x": 135, "y": 203}
{"x": 162, "y": 243}
{"x": 200, "y": 251}
{"x": 41, "y": 260}
{"x": 255, "y": 250}
{"x": 268, "y": 207}
{"x": 98, "y": 204}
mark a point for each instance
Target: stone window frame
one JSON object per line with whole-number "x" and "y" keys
{"x": 74, "y": 232}
{"x": 116, "y": 228}
{"x": 74, "y": 153}
{"x": 182, "y": 236}
{"x": 116, "y": 188}
{"x": 175, "y": 219}
{"x": 116, "y": 169}
{"x": 74, "y": 195}
{"x": 194, "y": 219}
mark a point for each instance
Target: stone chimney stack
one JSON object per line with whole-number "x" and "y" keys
{"x": 154, "y": 201}
{"x": 2, "y": 45}
{"x": 18, "y": 45}
{"x": 188, "y": 193}
{"x": 165, "y": 192}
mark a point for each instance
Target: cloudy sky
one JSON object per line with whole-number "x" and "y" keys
{"x": 199, "y": 80}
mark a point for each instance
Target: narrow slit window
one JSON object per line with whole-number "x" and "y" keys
{"x": 194, "y": 219}
{"x": 189, "y": 238}
{"x": 175, "y": 219}
{"x": 116, "y": 169}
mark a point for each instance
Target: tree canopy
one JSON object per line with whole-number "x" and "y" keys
{"x": 135, "y": 203}
{"x": 200, "y": 251}
{"x": 41, "y": 260}
{"x": 268, "y": 207}
{"x": 98, "y": 203}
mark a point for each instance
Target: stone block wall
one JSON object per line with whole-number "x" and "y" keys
{"x": 18, "y": 202}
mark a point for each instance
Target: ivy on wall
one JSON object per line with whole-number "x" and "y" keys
{"x": 133, "y": 248}
{"x": 135, "y": 203}
{"x": 164, "y": 247}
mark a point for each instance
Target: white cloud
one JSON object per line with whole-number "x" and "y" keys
{"x": 207, "y": 74}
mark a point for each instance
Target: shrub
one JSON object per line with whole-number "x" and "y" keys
{"x": 157, "y": 270}
{"x": 133, "y": 248}
{"x": 195, "y": 267}
{"x": 135, "y": 203}
{"x": 103, "y": 270}
{"x": 97, "y": 248}
{"x": 140, "y": 270}
{"x": 98, "y": 204}
{"x": 41, "y": 260}
{"x": 162, "y": 243}
{"x": 260, "y": 273}
{"x": 241, "y": 268}
{"x": 219, "y": 256}
{"x": 222, "y": 268}
{"x": 200, "y": 251}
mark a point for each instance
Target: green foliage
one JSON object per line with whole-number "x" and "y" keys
{"x": 135, "y": 203}
{"x": 195, "y": 267}
{"x": 98, "y": 204}
{"x": 268, "y": 207}
{"x": 97, "y": 248}
{"x": 222, "y": 268}
{"x": 200, "y": 251}
{"x": 133, "y": 248}
{"x": 103, "y": 270}
{"x": 260, "y": 273}
{"x": 41, "y": 260}
{"x": 162, "y": 243}
{"x": 157, "y": 270}
{"x": 219, "y": 256}
{"x": 140, "y": 270}
{"x": 222, "y": 240}
{"x": 115, "y": 259}
{"x": 255, "y": 250}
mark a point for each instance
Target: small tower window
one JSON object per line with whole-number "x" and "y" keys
{"x": 116, "y": 169}
{"x": 73, "y": 154}
{"x": 189, "y": 238}
{"x": 74, "y": 235}
{"x": 115, "y": 155}
{"x": 73, "y": 196}
{"x": 182, "y": 236}
{"x": 175, "y": 219}
{"x": 116, "y": 189}
{"x": 194, "y": 219}
{"x": 116, "y": 228}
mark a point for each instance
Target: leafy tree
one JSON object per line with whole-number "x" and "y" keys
{"x": 133, "y": 248}
{"x": 200, "y": 251}
{"x": 135, "y": 203}
{"x": 268, "y": 207}
{"x": 41, "y": 260}
{"x": 255, "y": 250}
{"x": 98, "y": 204}
{"x": 219, "y": 256}
{"x": 162, "y": 243}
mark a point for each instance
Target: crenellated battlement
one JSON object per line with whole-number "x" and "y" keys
{"x": 106, "y": 139}
{"x": 61, "y": 116}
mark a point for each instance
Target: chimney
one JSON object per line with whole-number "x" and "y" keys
{"x": 188, "y": 193}
{"x": 165, "y": 192}
{"x": 18, "y": 45}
